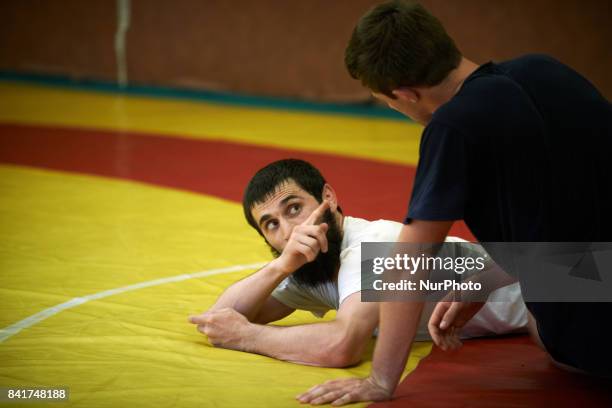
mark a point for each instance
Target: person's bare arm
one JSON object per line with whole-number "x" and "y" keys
{"x": 251, "y": 296}
{"x": 397, "y": 328}
{"x": 399, "y": 320}
{"x": 337, "y": 343}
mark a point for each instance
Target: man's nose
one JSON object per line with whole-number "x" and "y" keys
{"x": 286, "y": 230}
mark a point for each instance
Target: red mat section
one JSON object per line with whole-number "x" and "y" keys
{"x": 501, "y": 372}
{"x": 366, "y": 188}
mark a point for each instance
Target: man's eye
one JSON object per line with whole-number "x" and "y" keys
{"x": 294, "y": 209}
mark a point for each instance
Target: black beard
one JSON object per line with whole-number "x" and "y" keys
{"x": 325, "y": 266}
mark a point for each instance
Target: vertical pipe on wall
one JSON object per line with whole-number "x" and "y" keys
{"x": 123, "y": 24}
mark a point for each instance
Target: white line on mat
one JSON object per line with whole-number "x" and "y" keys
{"x": 42, "y": 315}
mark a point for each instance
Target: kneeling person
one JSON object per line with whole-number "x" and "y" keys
{"x": 317, "y": 267}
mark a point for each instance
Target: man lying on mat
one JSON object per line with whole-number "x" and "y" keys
{"x": 317, "y": 267}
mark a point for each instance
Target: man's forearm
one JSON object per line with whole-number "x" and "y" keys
{"x": 248, "y": 295}
{"x": 399, "y": 320}
{"x": 394, "y": 340}
{"x": 325, "y": 344}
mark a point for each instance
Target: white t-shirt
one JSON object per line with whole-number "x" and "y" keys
{"x": 496, "y": 317}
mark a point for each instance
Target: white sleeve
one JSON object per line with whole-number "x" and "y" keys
{"x": 291, "y": 294}
{"x": 349, "y": 275}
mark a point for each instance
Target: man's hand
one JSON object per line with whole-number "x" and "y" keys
{"x": 226, "y": 328}
{"x": 345, "y": 391}
{"x": 447, "y": 320}
{"x": 305, "y": 242}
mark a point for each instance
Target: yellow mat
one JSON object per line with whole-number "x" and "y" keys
{"x": 66, "y": 237}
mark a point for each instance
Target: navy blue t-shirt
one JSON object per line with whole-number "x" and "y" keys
{"x": 521, "y": 154}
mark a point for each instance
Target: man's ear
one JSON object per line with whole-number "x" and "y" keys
{"x": 330, "y": 195}
{"x": 407, "y": 94}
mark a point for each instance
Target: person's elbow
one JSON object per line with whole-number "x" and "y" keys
{"x": 341, "y": 360}
{"x": 345, "y": 351}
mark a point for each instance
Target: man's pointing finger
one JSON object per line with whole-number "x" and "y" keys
{"x": 317, "y": 215}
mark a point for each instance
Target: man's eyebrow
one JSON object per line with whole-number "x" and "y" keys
{"x": 266, "y": 217}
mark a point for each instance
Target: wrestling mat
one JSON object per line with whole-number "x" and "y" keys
{"x": 120, "y": 217}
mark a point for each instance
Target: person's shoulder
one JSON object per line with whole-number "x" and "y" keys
{"x": 487, "y": 94}
{"x": 489, "y": 80}
{"x": 529, "y": 62}
{"x": 358, "y": 230}
{"x": 384, "y": 230}
{"x": 545, "y": 78}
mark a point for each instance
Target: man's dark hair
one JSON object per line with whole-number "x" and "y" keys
{"x": 398, "y": 43}
{"x": 266, "y": 181}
